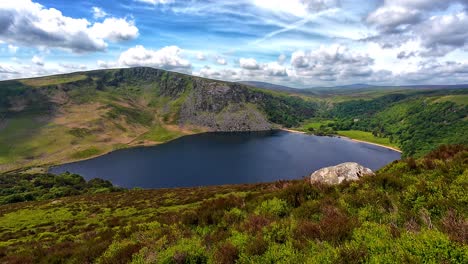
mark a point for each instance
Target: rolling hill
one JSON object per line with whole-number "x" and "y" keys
{"x": 75, "y": 116}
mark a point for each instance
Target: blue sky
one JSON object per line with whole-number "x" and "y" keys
{"x": 299, "y": 43}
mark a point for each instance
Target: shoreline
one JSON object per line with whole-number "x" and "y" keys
{"x": 48, "y": 166}
{"x": 347, "y": 138}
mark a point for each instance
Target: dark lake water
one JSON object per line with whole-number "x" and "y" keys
{"x": 227, "y": 158}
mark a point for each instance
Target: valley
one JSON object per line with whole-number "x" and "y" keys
{"x": 64, "y": 118}
{"x": 66, "y": 217}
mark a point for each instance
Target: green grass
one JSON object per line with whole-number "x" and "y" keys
{"x": 314, "y": 123}
{"x": 367, "y": 136}
{"x": 161, "y": 134}
{"x": 13, "y": 135}
{"x": 87, "y": 153}
{"x": 461, "y": 99}
{"x": 53, "y": 80}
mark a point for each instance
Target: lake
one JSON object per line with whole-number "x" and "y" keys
{"x": 227, "y": 158}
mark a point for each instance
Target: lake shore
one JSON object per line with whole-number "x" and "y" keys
{"x": 352, "y": 139}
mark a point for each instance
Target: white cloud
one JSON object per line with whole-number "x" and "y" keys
{"x": 7, "y": 70}
{"x": 107, "y": 64}
{"x": 12, "y": 48}
{"x": 440, "y": 26}
{"x": 201, "y": 56}
{"x": 221, "y": 61}
{"x": 115, "y": 29}
{"x": 249, "y": 64}
{"x": 166, "y": 58}
{"x": 299, "y": 8}
{"x": 155, "y": 2}
{"x": 223, "y": 74}
{"x": 445, "y": 33}
{"x": 37, "y": 60}
{"x": 98, "y": 12}
{"x": 73, "y": 67}
{"x": 331, "y": 63}
{"x": 275, "y": 69}
{"x": 31, "y": 24}
{"x": 282, "y": 58}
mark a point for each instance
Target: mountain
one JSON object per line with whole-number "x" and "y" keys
{"x": 80, "y": 115}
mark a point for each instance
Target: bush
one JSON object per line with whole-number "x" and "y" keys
{"x": 118, "y": 252}
{"x": 226, "y": 253}
{"x": 188, "y": 251}
{"x": 273, "y": 207}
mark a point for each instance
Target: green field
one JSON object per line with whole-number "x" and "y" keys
{"x": 368, "y": 137}
{"x": 314, "y": 124}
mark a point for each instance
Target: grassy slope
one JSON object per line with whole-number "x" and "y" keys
{"x": 315, "y": 124}
{"x": 406, "y": 120}
{"x": 106, "y": 124}
{"x": 412, "y": 211}
{"x": 367, "y": 136}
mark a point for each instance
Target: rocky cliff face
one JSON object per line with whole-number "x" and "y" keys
{"x": 215, "y": 105}
{"x": 223, "y": 107}
{"x": 349, "y": 171}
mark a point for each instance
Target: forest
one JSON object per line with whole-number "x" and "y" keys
{"x": 417, "y": 123}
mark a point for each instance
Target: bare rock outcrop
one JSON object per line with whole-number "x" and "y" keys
{"x": 349, "y": 171}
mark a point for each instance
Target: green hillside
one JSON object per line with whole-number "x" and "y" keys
{"x": 412, "y": 211}
{"x": 415, "y": 122}
{"x": 63, "y": 118}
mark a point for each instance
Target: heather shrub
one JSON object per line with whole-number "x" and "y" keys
{"x": 188, "y": 251}
{"x": 273, "y": 207}
{"x": 226, "y": 253}
{"x": 119, "y": 252}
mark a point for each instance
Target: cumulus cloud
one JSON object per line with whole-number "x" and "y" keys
{"x": 399, "y": 21}
{"x": 437, "y": 73}
{"x": 223, "y": 74}
{"x": 31, "y": 24}
{"x": 12, "y": 48}
{"x": 282, "y": 58}
{"x": 37, "y": 60}
{"x": 98, "y": 12}
{"x": 201, "y": 56}
{"x": 275, "y": 69}
{"x": 442, "y": 34}
{"x": 253, "y": 68}
{"x": 332, "y": 63}
{"x": 221, "y": 61}
{"x": 249, "y": 64}
{"x": 115, "y": 29}
{"x": 168, "y": 58}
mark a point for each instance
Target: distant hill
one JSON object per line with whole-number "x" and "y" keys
{"x": 351, "y": 91}
{"x": 271, "y": 86}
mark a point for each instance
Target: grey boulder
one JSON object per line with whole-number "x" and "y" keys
{"x": 349, "y": 171}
